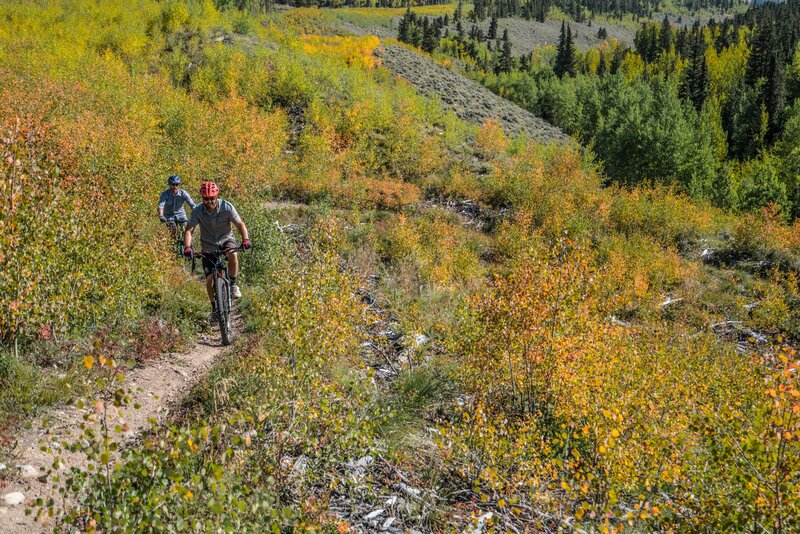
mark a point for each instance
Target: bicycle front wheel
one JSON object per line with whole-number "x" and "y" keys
{"x": 222, "y": 294}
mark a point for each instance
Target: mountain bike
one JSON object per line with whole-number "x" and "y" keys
{"x": 178, "y": 228}
{"x": 222, "y": 289}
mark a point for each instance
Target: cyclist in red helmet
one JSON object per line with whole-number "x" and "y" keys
{"x": 216, "y": 218}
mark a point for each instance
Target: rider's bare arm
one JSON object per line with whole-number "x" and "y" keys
{"x": 187, "y": 236}
{"x": 242, "y": 230}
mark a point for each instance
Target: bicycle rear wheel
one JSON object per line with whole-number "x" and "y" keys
{"x": 177, "y": 239}
{"x": 222, "y": 294}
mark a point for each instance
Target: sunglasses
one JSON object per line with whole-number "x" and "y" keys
{"x": 209, "y": 199}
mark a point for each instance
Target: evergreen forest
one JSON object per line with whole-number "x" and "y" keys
{"x": 708, "y": 109}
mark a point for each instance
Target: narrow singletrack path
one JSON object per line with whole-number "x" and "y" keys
{"x": 156, "y": 387}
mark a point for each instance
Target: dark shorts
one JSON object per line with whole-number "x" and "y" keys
{"x": 208, "y": 265}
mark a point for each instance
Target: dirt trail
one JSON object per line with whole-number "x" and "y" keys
{"x": 156, "y": 387}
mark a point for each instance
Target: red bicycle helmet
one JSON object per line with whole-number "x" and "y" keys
{"x": 209, "y": 189}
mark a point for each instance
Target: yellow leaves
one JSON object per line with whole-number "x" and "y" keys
{"x": 88, "y": 361}
{"x": 491, "y": 141}
{"x": 355, "y": 51}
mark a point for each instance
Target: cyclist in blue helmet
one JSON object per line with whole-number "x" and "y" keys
{"x": 170, "y": 204}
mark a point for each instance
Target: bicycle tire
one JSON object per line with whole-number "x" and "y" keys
{"x": 222, "y": 294}
{"x": 177, "y": 239}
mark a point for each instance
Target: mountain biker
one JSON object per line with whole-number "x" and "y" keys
{"x": 171, "y": 201}
{"x": 216, "y": 218}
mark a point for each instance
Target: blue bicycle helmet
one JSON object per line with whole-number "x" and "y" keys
{"x": 174, "y": 179}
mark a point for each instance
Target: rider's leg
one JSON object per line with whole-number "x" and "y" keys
{"x": 208, "y": 269}
{"x": 210, "y": 288}
{"x": 233, "y": 265}
{"x": 233, "y": 270}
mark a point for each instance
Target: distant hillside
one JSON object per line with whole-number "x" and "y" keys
{"x": 467, "y": 98}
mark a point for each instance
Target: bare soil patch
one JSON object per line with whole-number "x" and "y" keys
{"x": 157, "y": 388}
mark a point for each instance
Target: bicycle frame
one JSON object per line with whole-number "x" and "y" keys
{"x": 178, "y": 228}
{"x": 222, "y": 289}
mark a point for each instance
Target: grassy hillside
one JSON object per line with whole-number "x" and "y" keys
{"x": 453, "y": 321}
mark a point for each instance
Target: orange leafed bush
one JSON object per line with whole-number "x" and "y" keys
{"x": 491, "y": 140}
{"x": 382, "y": 194}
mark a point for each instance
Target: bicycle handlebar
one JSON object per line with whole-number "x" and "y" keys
{"x": 220, "y": 251}
{"x": 213, "y": 254}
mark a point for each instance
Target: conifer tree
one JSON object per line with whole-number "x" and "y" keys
{"x": 505, "y": 61}
{"x": 695, "y": 84}
{"x": 402, "y": 27}
{"x": 681, "y": 42}
{"x": 524, "y": 62}
{"x": 565, "y": 53}
{"x": 665, "y": 35}
{"x": 793, "y": 78}
{"x": 415, "y": 35}
{"x": 652, "y": 43}
{"x": 761, "y": 49}
{"x": 774, "y": 95}
{"x": 766, "y": 63}
{"x": 617, "y": 59}
{"x": 492, "y": 28}
{"x": 479, "y": 9}
{"x": 541, "y": 13}
{"x": 402, "y": 30}
{"x": 430, "y": 36}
